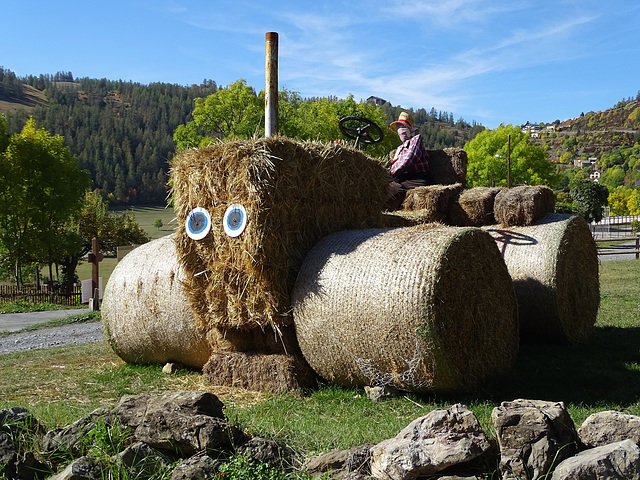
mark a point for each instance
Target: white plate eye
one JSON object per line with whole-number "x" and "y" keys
{"x": 198, "y": 223}
{"x": 235, "y": 220}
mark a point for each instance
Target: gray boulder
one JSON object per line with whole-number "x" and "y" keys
{"x": 430, "y": 444}
{"x": 198, "y": 466}
{"x": 84, "y": 468}
{"x": 180, "y": 423}
{"x": 72, "y": 439}
{"x": 615, "y": 461}
{"x": 609, "y": 426}
{"x": 532, "y": 435}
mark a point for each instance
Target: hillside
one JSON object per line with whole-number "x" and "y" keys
{"x": 593, "y": 134}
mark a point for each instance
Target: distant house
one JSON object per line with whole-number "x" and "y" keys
{"x": 376, "y": 101}
{"x": 595, "y": 175}
{"x": 532, "y": 129}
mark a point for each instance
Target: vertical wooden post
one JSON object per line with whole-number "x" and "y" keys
{"x": 509, "y": 162}
{"x": 95, "y": 257}
{"x": 271, "y": 85}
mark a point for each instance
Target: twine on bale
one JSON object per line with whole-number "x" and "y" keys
{"x": 554, "y": 266}
{"x": 294, "y": 193}
{"x": 523, "y": 205}
{"x": 390, "y": 307}
{"x": 145, "y": 313}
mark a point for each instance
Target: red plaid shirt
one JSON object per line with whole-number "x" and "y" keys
{"x": 410, "y": 157}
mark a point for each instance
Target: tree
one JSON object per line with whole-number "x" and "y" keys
{"x": 589, "y": 198}
{"x": 41, "y": 186}
{"x": 158, "y": 223}
{"x": 487, "y": 154}
{"x": 237, "y": 112}
{"x": 95, "y": 220}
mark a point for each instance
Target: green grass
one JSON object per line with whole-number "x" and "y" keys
{"x": 61, "y": 384}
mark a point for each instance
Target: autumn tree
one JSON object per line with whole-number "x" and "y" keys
{"x": 488, "y": 153}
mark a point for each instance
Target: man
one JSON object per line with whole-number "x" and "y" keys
{"x": 410, "y": 162}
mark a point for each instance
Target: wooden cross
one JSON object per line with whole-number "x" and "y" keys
{"x": 95, "y": 257}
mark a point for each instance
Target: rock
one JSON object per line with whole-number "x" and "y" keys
{"x": 268, "y": 451}
{"x": 7, "y": 450}
{"x": 430, "y": 444}
{"x": 532, "y": 436}
{"x": 84, "y": 468}
{"x": 182, "y": 423}
{"x": 26, "y": 467}
{"x": 172, "y": 367}
{"x": 608, "y": 427}
{"x": 16, "y": 420}
{"x": 141, "y": 459}
{"x": 615, "y": 461}
{"x": 198, "y": 466}
{"x": 359, "y": 460}
{"x": 328, "y": 462}
{"x": 376, "y": 394}
{"x": 71, "y": 439}
{"x": 135, "y": 409}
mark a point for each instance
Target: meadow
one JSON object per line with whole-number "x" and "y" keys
{"x": 59, "y": 385}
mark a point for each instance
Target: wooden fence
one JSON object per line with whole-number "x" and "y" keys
{"x": 42, "y": 294}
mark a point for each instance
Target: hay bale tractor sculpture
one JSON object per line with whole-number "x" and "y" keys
{"x": 285, "y": 267}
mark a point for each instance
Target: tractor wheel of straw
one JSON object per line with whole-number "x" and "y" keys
{"x": 145, "y": 312}
{"x": 427, "y": 308}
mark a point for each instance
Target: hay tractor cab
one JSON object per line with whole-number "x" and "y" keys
{"x": 285, "y": 267}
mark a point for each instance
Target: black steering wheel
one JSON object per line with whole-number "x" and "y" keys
{"x": 360, "y": 129}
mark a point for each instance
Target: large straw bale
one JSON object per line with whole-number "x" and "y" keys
{"x": 447, "y": 166}
{"x": 554, "y": 266}
{"x": 523, "y": 205}
{"x": 145, "y": 312}
{"x": 294, "y": 194}
{"x": 473, "y": 207}
{"x": 392, "y": 307}
{"x": 433, "y": 198}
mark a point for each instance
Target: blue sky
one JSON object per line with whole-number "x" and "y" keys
{"x": 490, "y": 61}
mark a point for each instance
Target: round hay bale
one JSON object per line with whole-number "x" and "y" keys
{"x": 523, "y": 205}
{"x": 554, "y": 267}
{"x": 392, "y": 307}
{"x": 145, "y": 311}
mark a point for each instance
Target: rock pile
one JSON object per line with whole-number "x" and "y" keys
{"x": 188, "y": 433}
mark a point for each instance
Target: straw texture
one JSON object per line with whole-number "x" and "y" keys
{"x": 473, "y": 207}
{"x": 432, "y": 198}
{"x": 554, "y": 266}
{"x": 447, "y": 166}
{"x": 523, "y": 205}
{"x": 392, "y": 307}
{"x": 294, "y": 193}
{"x": 145, "y": 312}
{"x": 259, "y": 372}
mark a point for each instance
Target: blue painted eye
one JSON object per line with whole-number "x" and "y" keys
{"x": 235, "y": 220}
{"x": 198, "y": 223}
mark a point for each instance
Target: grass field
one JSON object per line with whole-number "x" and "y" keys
{"x": 61, "y": 384}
